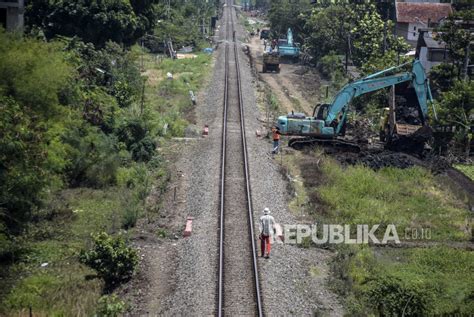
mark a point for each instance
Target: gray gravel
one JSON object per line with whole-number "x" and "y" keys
{"x": 179, "y": 276}
{"x": 239, "y": 287}
{"x": 294, "y": 280}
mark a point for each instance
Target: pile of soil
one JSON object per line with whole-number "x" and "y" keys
{"x": 406, "y": 110}
{"x": 360, "y": 130}
{"x": 377, "y": 159}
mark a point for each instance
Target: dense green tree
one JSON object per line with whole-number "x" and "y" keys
{"x": 115, "y": 19}
{"x": 456, "y": 107}
{"x": 328, "y": 30}
{"x": 368, "y": 36}
{"x": 112, "y": 68}
{"x": 61, "y": 104}
{"x": 356, "y": 29}
{"x": 284, "y": 14}
{"x": 182, "y": 22}
{"x": 30, "y": 154}
{"x": 442, "y": 78}
{"x": 146, "y": 11}
{"x": 457, "y": 35}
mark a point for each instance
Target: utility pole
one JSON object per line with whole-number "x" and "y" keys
{"x": 141, "y": 55}
{"x": 347, "y": 50}
{"x": 465, "y": 67}
{"x": 385, "y": 26}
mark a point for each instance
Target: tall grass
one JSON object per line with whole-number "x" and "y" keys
{"x": 468, "y": 170}
{"x": 433, "y": 281}
{"x": 407, "y": 198}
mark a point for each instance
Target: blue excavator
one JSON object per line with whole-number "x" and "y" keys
{"x": 328, "y": 123}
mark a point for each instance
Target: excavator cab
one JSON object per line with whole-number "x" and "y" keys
{"x": 320, "y": 111}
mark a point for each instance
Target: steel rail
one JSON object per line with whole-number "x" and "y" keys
{"x": 222, "y": 188}
{"x": 247, "y": 183}
{"x": 258, "y": 301}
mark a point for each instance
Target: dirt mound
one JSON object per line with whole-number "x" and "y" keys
{"x": 360, "y": 130}
{"x": 377, "y": 159}
{"x": 437, "y": 164}
{"x": 406, "y": 110}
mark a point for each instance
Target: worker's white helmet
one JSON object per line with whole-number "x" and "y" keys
{"x": 266, "y": 211}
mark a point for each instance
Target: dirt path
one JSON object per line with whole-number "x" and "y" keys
{"x": 289, "y": 84}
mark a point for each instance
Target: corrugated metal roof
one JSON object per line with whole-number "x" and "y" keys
{"x": 411, "y": 12}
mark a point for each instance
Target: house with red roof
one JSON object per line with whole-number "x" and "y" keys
{"x": 413, "y": 16}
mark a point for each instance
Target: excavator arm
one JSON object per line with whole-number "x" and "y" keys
{"x": 377, "y": 81}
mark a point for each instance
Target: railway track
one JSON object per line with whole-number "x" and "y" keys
{"x": 238, "y": 283}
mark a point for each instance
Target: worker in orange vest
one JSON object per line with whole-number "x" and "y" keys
{"x": 276, "y": 140}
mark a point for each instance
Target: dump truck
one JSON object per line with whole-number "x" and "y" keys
{"x": 271, "y": 61}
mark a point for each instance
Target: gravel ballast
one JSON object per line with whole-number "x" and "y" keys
{"x": 294, "y": 279}
{"x": 178, "y": 276}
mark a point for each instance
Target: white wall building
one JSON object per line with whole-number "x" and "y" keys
{"x": 12, "y": 14}
{"x": 430, "y": 50}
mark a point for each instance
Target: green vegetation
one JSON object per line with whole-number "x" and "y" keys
{"x": 408, "y": 198}
{"x": 359, "y": 24}
{"x": 188, "y": 75}
{"x": 55, "y": 292}
{"x": 468, "y": 170}
{"x": 111, "y": 258}
{"x": 182, "y": 23}
{"x": 328, "y": 30}
{"x": 110, "y": 306}
{"x": 61, "y": 231}
{"x": 389, "y": 281}
{"x": 412, "y": 282}
{"x": 78, "y": 146}
{"x": 456, "y": 107}
{"x": 119, "y": 20}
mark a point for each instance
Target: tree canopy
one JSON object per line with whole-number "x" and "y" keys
{"x": 121, "y": 21}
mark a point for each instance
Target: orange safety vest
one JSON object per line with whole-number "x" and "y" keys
{"x": 275, "y": 134}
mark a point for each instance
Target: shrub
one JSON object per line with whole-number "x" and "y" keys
{"x": 111, "y": 258}
{"x": 143, "y": 150}
{"x": 94, "y": 157}
{"x": 110, "y": 306}
{"x": 330, "y": 65}
{"x": 390, "y": 296}
{"x": 130, "y": 215}
{"x": 135, "y": 135}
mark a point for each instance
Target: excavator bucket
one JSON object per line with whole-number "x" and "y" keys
{"x": 410, "y": 142}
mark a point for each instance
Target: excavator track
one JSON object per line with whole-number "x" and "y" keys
{"x": 331, "y": 145}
